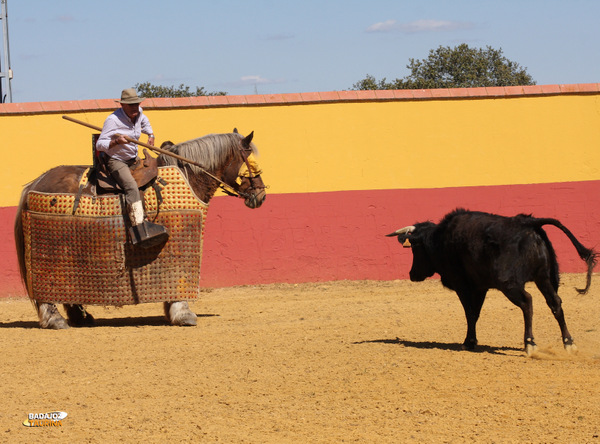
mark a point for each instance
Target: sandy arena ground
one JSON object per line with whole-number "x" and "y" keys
{"x": 368, "y": 362}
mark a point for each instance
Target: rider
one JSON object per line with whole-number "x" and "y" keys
{"x": 130, "y": 121}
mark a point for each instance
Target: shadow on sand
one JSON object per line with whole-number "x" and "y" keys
{"x": 135, "y": 321}
{"x": 428, "y": 345}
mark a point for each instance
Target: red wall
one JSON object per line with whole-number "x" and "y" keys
{"x": 11, "y": 281}
{"x": 341, "y": 235}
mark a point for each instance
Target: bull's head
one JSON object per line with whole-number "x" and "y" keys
{"x": 403, "y": 235}
{"x": 416, "y": 238}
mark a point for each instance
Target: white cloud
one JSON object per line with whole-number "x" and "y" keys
{"x": 388, "y": 25}
{"x": 252, "y": 80}
{"x": 419, "y": 26}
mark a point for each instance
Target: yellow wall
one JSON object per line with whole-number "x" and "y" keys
{"x": 353, "y": 145}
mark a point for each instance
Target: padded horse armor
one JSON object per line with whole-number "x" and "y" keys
{"x": 81, "y": 255}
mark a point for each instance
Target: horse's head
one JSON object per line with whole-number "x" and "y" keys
{"x": 243, "y": 174}
{"x": 219, "y": 160}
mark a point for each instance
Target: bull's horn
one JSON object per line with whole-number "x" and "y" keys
{"x": 404, "y": 230}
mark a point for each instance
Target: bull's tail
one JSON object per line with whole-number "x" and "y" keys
{"x": 589, "y": 255}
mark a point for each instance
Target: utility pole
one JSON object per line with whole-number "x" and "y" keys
{"x": 7, "y": 74}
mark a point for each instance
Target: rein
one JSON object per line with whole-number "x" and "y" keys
{"x": 228, "y": 189}
{"x": 251, "y": 173}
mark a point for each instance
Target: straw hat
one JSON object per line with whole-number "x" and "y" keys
{"x": 129, "y": 96}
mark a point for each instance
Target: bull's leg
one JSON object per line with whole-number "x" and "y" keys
{"x": 472, "y": 301}
{"x": 522, "y": 299}
{"x": 77, "y": 316}
{"x": 50, "y": 317}
{"x": 179, "y": 313}
{"x": 555, "y": 304}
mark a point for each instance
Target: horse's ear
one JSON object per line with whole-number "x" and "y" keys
{"x": 235, "y": 130}
{"x": 248, "y": 139}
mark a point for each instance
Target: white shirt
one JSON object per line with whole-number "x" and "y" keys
{"x": 119, "y": 123}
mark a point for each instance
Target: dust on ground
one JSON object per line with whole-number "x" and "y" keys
{"x": 376, "y": 362}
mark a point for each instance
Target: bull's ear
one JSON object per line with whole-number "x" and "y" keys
{"x": 406, "y": 243}
{"x": 235, "y": 130}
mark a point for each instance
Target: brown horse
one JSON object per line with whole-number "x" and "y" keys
{"x": 227, "y": 162}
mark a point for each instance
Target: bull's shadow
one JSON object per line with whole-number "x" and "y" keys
{"x": 429, "y": 345}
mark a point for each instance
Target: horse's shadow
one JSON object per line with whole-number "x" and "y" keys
{"x": 139, "y": 321}
{"x": 429, "y": 345}
{"x": 135, "y": 321}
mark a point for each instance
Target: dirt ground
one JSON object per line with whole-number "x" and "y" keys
{"x": 369, "y": 362}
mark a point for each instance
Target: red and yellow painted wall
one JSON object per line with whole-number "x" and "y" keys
{"x": 345, "y": 168}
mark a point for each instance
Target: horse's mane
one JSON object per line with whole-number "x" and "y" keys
{"x": 210, "y": 151}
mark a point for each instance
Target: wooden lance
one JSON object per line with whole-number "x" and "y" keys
{"x": 157, "y": 150}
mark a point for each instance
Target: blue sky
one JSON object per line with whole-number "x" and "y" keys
{"x": 79, "y": 49}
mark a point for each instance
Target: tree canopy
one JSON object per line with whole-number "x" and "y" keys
{"x": 458, "y": 67}
{"x": 148, "y": 90}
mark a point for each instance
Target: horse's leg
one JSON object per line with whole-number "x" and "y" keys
{"x": 179, "y": 313}
{"x": 50, "y": 317}
{"x": 77, "y": 316}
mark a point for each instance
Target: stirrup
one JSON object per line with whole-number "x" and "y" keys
{"x": 148, "y": 234}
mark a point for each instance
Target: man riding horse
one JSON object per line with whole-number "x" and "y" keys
{"x": 118, "y": 155}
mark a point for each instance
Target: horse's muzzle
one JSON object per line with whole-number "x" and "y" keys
{"x": 255, "y": 200}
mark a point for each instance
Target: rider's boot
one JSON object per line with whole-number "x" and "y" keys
{"x": 142, "y": 232}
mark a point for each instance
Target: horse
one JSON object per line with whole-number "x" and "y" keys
{"x": 214, "y": 161}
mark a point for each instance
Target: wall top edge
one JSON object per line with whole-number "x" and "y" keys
{"x": 70, "y": 106}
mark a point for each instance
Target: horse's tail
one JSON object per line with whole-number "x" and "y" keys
{"x": 589, "y": 255}
{"x": 20, "y": 241}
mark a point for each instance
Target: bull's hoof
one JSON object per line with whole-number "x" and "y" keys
{"x": 571, "y": 349}
{"x": 469, "y": 345}
{"x": 530, "y": 350}
{"x": 179, "y": 313}
{"x": 78, "y": 317}
{"x": 50, "y": 318}
{"x": 530, "y": 347}
{"x": 570, "y": 346}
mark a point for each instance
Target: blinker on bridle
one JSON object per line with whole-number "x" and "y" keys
{"x": 252, "y": 174}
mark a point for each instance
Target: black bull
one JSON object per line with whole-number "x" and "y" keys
{"x": 474, "y": 251}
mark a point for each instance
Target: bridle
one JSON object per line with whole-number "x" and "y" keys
{"x": 252, "y": 174}
{"x": 233, "y": 189}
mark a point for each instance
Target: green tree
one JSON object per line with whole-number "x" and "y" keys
{"x": 149, "y": 90}
{"x": 458, "y": 67}
{"x": 370, "y": 82}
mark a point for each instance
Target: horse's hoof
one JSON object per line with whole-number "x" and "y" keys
{"x": 185, "y": 320}
{"x": 179, "y": 313}
{"x": 55, "y": 324}
{"x": 78, "y": 317}
{"x": 50, "y": 318}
